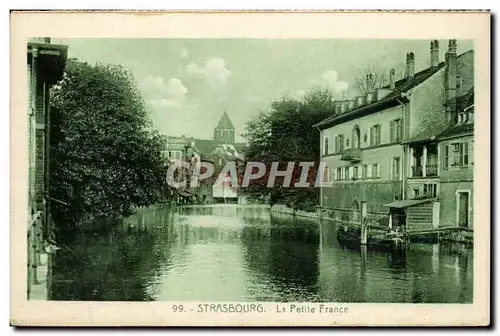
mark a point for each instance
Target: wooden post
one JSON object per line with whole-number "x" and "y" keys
{"x": 364, "y": 222}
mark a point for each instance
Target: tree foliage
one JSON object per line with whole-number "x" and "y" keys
{"x": 285, "y": 133}
{"x": 105, "y": 157}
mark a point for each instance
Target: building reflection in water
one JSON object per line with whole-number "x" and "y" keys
{"x": 242, "y": 253}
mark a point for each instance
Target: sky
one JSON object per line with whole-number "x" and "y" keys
{"x": 187, "y": 84}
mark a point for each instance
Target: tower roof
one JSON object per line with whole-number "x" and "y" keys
{"x": 225, "y": 122}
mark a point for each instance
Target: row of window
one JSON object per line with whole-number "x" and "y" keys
{"x": 173, "y": 154}
{"x": 373, "y": 139}
{"x": 458, "y": 154}
{"x": 225, "y": 133}
{"x": 429, "y": 190}
{"x": 363, "y": 172}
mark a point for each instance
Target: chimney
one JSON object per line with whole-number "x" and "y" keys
{"x": 360, "y": 101}
{"x": 410, "y": 65}
{"x": 338, "y": 109}
{"x": 392, "y": 79}
{"x": 369, "y": 97}
{"x": 343, "y": 107}
{"x": 450, "y": 80}
{"x": 434, "y": 53}
{"x": 369, "y": 82}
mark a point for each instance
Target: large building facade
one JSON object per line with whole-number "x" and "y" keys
{"x": 45, "y": 65}
{"x": 382, "y": 148}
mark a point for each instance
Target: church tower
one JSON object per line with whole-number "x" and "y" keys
{"x": 224, "y": 132}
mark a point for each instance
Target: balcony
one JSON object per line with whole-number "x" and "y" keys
{"x": 417, "y": 171}
{"x": 351, "y": 155}
{"x": 424, "y": 160}
{"x": 430, "y": 171}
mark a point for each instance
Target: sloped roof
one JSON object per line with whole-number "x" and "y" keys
{"x": 465, "y": 101}
{"x": 204, "y": 146}
{"x": 240, "y": 146}
{"x": 429, "y": 133}
{"x": 51, "y": 57}
{"x": 457, "y": 129}
{"x": 225, "y": 122}
{"x": 400, "y": 86}
{"x": 408, "y": 203}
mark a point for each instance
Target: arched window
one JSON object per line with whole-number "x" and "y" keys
{"x": 355, "y": 204}
{"x": 356, "y": 136}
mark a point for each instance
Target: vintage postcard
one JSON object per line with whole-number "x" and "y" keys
{"x": 250, "y": 169}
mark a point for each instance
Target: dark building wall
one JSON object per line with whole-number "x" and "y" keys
{"x": 376, "y": 194}
{"x": 455, "y": 179}
{"x": 419, "y": 217}
{"x": 457, "y": 173}
{"x": 465, "y": 69}
{"x": 448, "y": 198}
{"x": 426, "y": 104}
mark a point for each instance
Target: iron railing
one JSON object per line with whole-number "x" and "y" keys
{"x": 35, "y": 248}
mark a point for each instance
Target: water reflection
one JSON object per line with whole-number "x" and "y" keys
{"x": 242, "y": 253}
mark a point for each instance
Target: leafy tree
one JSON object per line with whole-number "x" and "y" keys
{"x": 285, "y": 133}
{"x": 105, "y": 157}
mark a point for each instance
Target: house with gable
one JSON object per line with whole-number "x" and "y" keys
{"x": 428, "y": 158}
{"x": 369, "y": 149}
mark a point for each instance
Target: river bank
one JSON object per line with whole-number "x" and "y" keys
{"x": 244, "y": 254}
{"x": 440, "y": 234}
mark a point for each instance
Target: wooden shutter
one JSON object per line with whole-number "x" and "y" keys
{"x": 446, "y": 156}
{"x": 393, "y": 130}
{"x": 471, "y": 152}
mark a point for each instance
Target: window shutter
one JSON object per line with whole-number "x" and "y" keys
{"x": 471, "y": 152}
{"x": 392, "y": 166}
{"x": 446, "y": 156}
{"x": 351, "y": 172}
{"x": 360, "y": 172}
{"x": 392, "y": 130}
{"x": 465, "y": 154}
{"x": 370, "y": 136}
{"x": 369, "y": 171}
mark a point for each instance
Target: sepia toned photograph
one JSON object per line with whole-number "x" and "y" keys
{"x": 238, "y": 175}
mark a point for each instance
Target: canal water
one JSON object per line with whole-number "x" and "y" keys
{"x": 244, "y": 253}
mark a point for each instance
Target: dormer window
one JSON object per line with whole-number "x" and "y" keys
{"x": 462, "y": 118}
{"x": 369, "y": 98}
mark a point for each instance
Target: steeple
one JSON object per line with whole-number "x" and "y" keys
{"x": 224, "y": 132}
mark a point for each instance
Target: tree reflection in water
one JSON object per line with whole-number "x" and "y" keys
{"x": 115, "y": 266}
